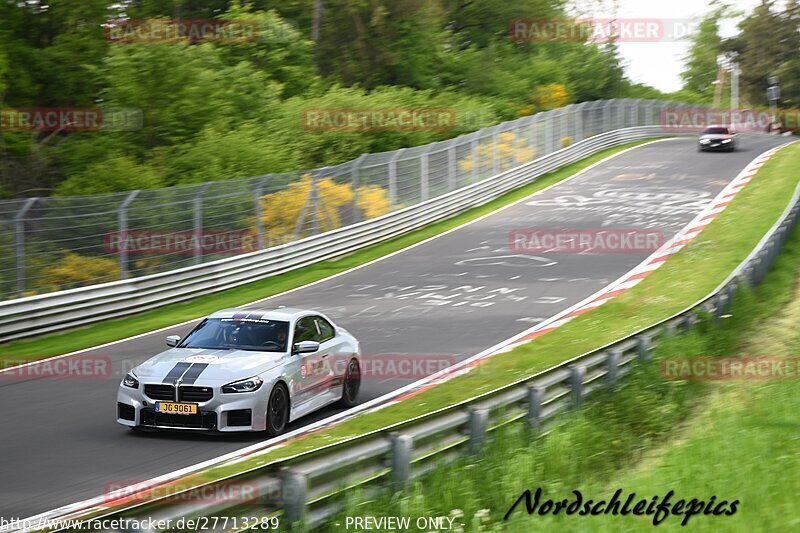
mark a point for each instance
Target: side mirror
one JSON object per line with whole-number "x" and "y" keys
{"x": 173, "y": 340}
{"x": 305, "y": 347}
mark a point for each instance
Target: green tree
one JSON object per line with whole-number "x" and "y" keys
{"x": 701, "y": 62}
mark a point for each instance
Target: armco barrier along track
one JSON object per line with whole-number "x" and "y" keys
{"x": 64, "y": 309}
{"x": 309, "y": 486}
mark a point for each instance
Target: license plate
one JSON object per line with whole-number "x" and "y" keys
{"x": 173, "y": 408}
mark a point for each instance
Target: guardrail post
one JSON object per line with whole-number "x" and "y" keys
{"x": 644, "y": 346}
{"x": 122, "y": 230}
{"x": 577, "y": 373}
{"x": 402, "y": 446}
{"x": 258, "y": 212}
{"x": 423, "y": 177}
{"x": 535, "y": 400}
{"x": 19, "y": 243}
{"x": 294, "y": 490}
{"x": 721, "y": 306}
{"x": 197, "y": 215}
{"x": 688, "y": 321}
{"x": 612, "y": 360}
{"x": 478, "y": 422}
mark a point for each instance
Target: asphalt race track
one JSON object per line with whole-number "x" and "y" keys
{"x": 444, "y": 300}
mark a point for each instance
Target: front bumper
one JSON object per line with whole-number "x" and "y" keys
{"x": 716, "y": 146}
{"x": 223, "y": 412}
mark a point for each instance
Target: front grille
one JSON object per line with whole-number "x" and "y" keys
{"x": 202, "y": 420}
{"x": 160, "y": 392}
{"x": 240, "y": 417}
{"x": 126, "y": 412}
{"x": 196, "y": 394}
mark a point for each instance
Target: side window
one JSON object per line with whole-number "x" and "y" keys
{"x": 305, "y": 330}
{"x": 326, "y": 331}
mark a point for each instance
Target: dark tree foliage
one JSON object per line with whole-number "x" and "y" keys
{"x": 216, "y": 110}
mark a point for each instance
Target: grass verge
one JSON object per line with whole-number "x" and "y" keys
{"x": 111, "y": 330}
{"x": 734, "y": 440}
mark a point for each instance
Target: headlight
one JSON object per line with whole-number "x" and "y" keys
{"x": 726, "y": 140}
{"x": 131, "y": 381}
{"x": 245, "y": 385}
{"x": 704, "y": 141}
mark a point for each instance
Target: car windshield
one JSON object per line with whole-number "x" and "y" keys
{"x": 238, "y": 334}
{"x": 716, "y": 130}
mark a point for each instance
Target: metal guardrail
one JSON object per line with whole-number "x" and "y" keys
{"x": 45, "y": 313}
{"x": 105, "y": 237}
{"x": 309, "y": 486}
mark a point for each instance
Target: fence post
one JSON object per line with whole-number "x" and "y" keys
{"x": 393, "y": 179}
{"x": 197, "y": 215}
{"x": 258, "y": 211}
{"x": 122, "y": 230}
{"x": 495, "y": 163}
{"x": 293, "y": 489}
{"x": 612, "y": 360}
{"x": 401, "y": 460}
{"x": 548, "y": 134}
{"x": 424, "y": 181}
{"x": 313, "y": 200}
{"x": 19, "y": 243}
{"x": 451, "y": 167}
{"x": 355, "y": 183}
{"x": 535, "y": 399}
{"x": 475, "y": 158}
{"x": 577, "y": 373}
{"x": 478, "y": 421}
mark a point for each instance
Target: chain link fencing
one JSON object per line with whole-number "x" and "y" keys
{"x": 56, "y": 243}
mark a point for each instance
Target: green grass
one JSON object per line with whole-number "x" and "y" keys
{"x": 735, "y": 440}
{"x": 85, "y": 337}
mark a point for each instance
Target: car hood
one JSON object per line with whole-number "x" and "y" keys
{"x": 716, "y": 136}
{"x": 207, "y": 365}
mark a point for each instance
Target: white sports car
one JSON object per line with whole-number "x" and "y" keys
{"x": 236, "y": 371}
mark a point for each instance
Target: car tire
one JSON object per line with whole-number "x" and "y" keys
{"x": 351, "y": 382}
{"x": 277, "y": 410}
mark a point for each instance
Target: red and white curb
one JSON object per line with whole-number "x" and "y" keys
{"x": 660, "y": 256}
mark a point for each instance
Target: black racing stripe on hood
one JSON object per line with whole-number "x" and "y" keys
{"x": 193, "y": 373}
{"x": 176, "y": 372}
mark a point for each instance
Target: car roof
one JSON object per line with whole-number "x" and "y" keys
{"x": 263, "y": 313}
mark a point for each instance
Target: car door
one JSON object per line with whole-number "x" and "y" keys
{"x": 310, "y": 379}
{"x": 330, "y": 353}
